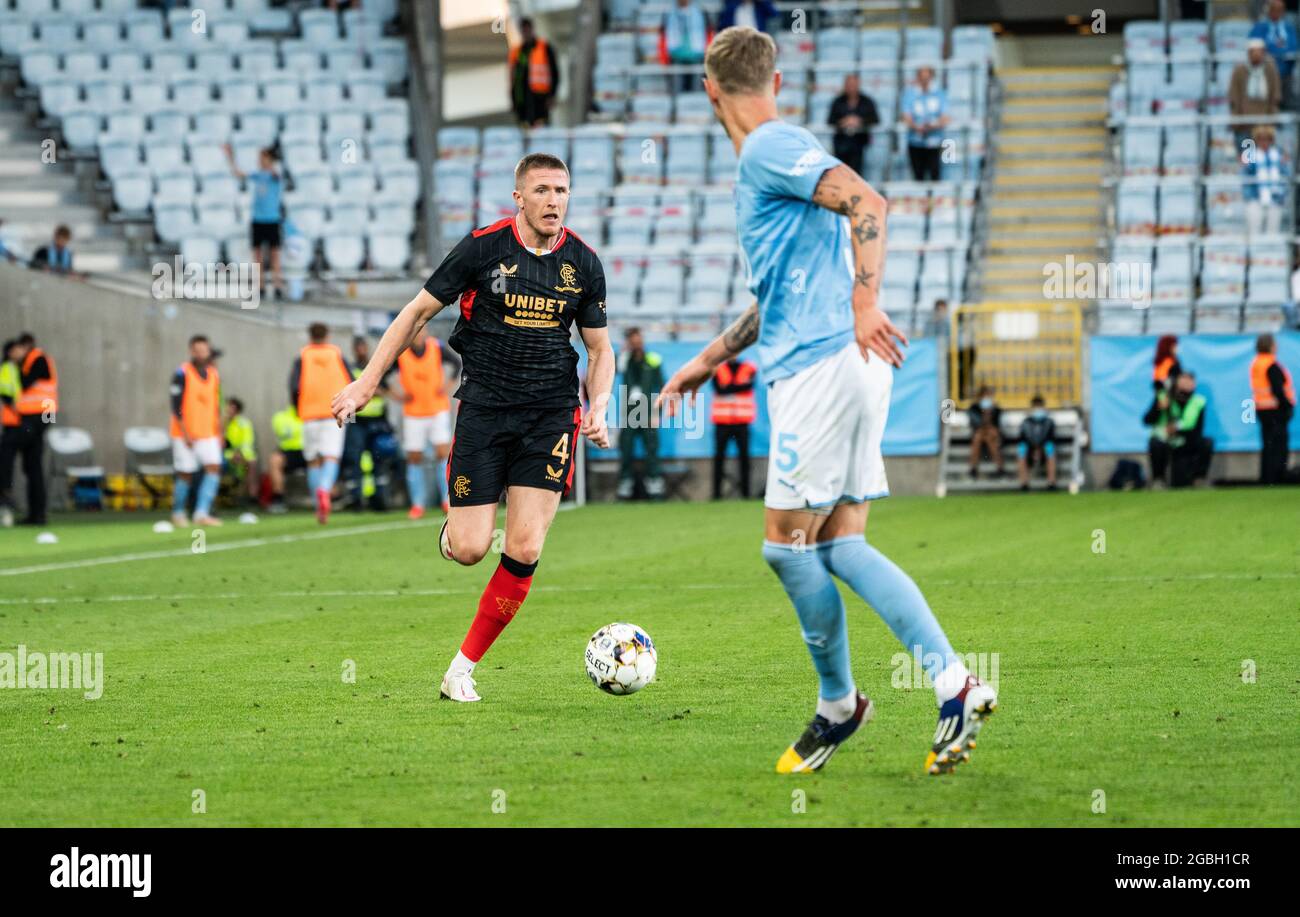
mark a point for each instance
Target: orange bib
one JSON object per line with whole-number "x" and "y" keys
{"x": 422, "y": 380}
{"x": 200, "y": 405}
{"x": 323, "y": 376}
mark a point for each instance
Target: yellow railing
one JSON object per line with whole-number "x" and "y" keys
{"x": 1020, "y": 350}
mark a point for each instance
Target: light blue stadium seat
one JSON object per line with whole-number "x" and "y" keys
{"x": 217, "y": 216}
{"x": 553, "y": 140}
{"x": 166, "y": 64}
{"x": 214, "y": 124}
{"x": 1182, "y": 149}
{"x": 191, "y": 93}
{"x": 204, "y": 249}
{"x": 344, "y": 252}
{"x": 105, "y": 94}
{"x": 173, "y": 189}
{"x": 1223, "y": 274}
{"x": 324, "y": 93}
{"x": 389, "y": 251}
{"x": 385, "y": 149}
{"x": 1144, "y": 38}
{"x": 972, "y": 42}
{"x": 319, "y": 27}
{"x": 837, "y": 45}
{"x": 1188, "y": 39}
{"x": 399, "y": 179}
{"x": 393, "y": 216}
{"x": 616, "y": 50}
{"x": 164, "y": 158}
{"x": 257, "y": 60}
{"x": 663, "y": 284}
{"x": 1230, "y": 36}
{"x": 167, "y": 124}
{"x": 281, "y": 94}
{"x": 316, "y": 183}
{"x": 119, "y": 157}
{"x": 1225, "y": 212}
{"x": 1179, "y": 210}
{"x": 147, "y": 93}
{"x": 1168, "y": 318}
{"x": 657, "y": 109}
{"x": 1172, "y": 277}
{"x": 57, "y": 34}
{"x": 610, "y": 90}
{"x": 362, "y": 25}
{"x": 923, "y": 43}
{"x": 458, "y": 142}
{"x": 388, "y": 57}
{"x": 206, "y": 159}
{"x": 629, "y": 228}
{"x": 622, "y": 279}
{"x": 1141, "y": 146}
{"x": 1224, "y": 318}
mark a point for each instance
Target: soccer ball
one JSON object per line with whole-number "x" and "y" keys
{"x": 621, "y": 659}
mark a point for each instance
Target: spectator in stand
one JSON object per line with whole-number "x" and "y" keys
{"x": 853, "y": 115}
{"x": 985, "y": 432}
{"x": 1266, "y": 174}
{"x": 1165, "y": 368}
{"x": 1178, "y": 441}
{"x": 57, "y": 256}
{"x": 1037, "y": 444}
{"x": 268, "y": 187}
{"x": 1254, "y": 89}
{"x": 924, "y": 110}
{"x": 757, "y": 14}
{"x": 1275, "y": 400}
{"x": 534, "y": 77}
{"x": 684, "y": 38}
{"x": 1279, "y": 36}
{"x": 936, "y": 326}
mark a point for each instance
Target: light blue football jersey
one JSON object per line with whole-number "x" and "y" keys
{"x": 798, "y": 257}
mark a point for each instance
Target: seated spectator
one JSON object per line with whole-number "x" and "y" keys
{"x": 1265, "y": 171}
{"x": 57, "y": 256}
{"x": 853, "y": 115}
{"x": 1254, "y": 89}
{"x": 924, "y": 110}
{"x": 757, "y": 14}
{"x": 1279, "y": 37}
{"x": 241, "y": 450}
{"x": 1037, "y": 444}
{"x": 936, "y": 326}
{"x": 684, "y": 39}
{"x": 985, "y": 433}
{"x": 1178, "y": 441}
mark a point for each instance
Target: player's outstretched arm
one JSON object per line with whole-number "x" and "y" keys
{"x": 700, "y": 368}
{"x": 600, "y": 379}
{"x": 848, "y": 194}
{"x": 414, "y": 316}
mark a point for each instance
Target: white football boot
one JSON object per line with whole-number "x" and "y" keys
{"x": 458, "y": 686}
{"x": 960, "y": 720}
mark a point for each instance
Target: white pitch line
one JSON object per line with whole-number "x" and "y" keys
{"x": 417, "y": 593}
{"x": 211, "y": 549}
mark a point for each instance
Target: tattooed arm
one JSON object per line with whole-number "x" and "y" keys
{"x": 845, "y": 192}
{"x": 700, "y": 368}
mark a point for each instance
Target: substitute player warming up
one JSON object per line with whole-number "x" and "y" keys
{"x": 522, "y": 284}
{"x": 825, "y": 349}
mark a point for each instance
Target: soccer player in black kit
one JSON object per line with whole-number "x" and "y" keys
{"x": 522, "y": 284}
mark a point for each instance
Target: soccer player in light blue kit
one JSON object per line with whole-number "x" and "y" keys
{"x": 813, "y": 237}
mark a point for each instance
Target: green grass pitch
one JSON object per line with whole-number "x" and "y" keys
{"x": 1119, "y": 672}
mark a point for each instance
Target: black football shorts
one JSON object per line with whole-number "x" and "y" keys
{"x": 496, "y": 448}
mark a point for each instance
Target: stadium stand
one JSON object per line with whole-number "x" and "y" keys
{"x": 1181, "y": 189}
{"x": 154, "y": 96}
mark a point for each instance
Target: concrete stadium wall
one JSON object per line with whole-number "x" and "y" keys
{"x": 116, "y": 351}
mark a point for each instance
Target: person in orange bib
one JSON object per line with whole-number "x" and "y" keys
{"x": 426, "y": 415}
{"x": 1274, "y": 393}
{"x": 196, "y": 433}
{"x": 734, "y": 410}
{"x": 319, "y": 372}
{"x": 25, "y": 417}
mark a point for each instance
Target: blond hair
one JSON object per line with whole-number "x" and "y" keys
{"x": 741, "y": 61}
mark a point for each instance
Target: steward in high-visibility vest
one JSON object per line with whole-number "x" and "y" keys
{"x": 365, "y": 464}
{"x": 1274, "y": 393}
{"x": 375, "y": 406}
{"x": 241, "y": 438}
{"x": 29, "y": 408}
{"x": 11, "y": 386}
{"x": 734, "y": 409}
{"x": 534, "y": 76}
{"x": 40, "y": 386}
{"x": 288, "y": 429}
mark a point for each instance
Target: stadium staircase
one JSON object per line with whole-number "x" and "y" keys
{"x": 1046, "y": 197}
{"x": 36, "y": 195}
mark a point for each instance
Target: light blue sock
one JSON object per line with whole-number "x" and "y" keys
{"x": 313, "y": 479}
{"x": 329, "y": 473}
{"x": 180, "y": 495}
{"x": 415, "y": 483}
{"x": 207, "y": 494}
{"x": 440, "y": 482}
{"x": 893, "y": 595}
{"x": 820, "y": 608}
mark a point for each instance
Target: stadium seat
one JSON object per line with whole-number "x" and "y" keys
{"x": 344, "y": 252}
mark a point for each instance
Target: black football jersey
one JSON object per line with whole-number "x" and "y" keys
{"x": 517, "y": 309}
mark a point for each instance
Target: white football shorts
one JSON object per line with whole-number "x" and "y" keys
{"x": 203, "y": 453}
{"x": 322, "y": 439}
{"x": 417, "y": 432}
{"x": 828, "y": 420}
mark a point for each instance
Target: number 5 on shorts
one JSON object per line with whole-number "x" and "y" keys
{"x": 787, "y": 457}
